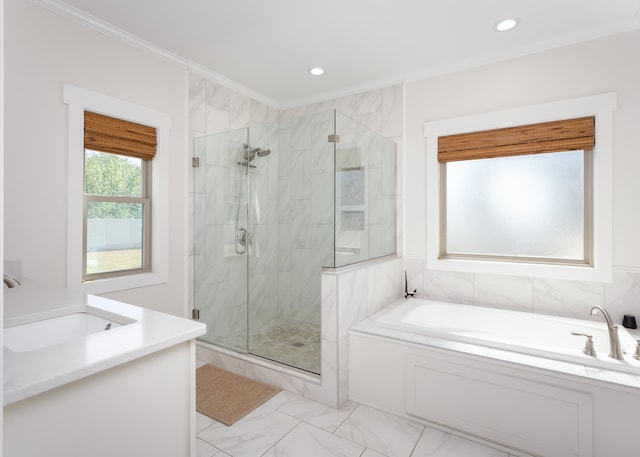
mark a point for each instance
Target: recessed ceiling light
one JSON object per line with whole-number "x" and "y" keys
{"x": 506, "y": 24}
{"x": 316, "y": 71}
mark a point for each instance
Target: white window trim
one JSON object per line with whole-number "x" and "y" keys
{"x": 602, "y": 107}
{"x": 80, "y": 100}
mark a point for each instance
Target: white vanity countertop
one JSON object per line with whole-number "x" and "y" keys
{"x": 32, "y": 372}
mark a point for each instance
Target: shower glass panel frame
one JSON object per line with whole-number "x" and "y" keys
{"x": 274, "y": 204}
{"x": 220, "y": 274}
{"x": 365, "y": 193}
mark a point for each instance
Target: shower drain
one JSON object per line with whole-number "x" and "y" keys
{"x": 298, "y": 344}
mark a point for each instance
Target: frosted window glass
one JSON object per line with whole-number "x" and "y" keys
{"x": 522, "y": 206}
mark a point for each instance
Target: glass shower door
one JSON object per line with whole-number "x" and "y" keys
{"x": 220, "y": 218}
{"x": 290, "y": 215}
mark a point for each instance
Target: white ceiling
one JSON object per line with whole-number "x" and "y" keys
{"x": 267, "y": 46}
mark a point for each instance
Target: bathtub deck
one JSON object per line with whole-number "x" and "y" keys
{"x": 627, "y": 376}
{"x": 496, "y": 397}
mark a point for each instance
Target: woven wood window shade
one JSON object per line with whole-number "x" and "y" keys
{"x": 117, "y": 136}
{"x": 557, "y": 136}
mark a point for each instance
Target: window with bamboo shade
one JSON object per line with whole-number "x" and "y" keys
{"x": 519, "y": 193}
{"x": 117, "y": 203}
{"x": 128, "y": 116}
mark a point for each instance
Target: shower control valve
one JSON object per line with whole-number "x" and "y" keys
{"x": 243, "y": 240}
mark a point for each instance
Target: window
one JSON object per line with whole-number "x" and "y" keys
{"x": 525, "y": 198}
{"x": 117, "y": 168}
{"x": 117, "y": 204}
{"x": 523, "y": 207}
{"x": 116, "y": 215}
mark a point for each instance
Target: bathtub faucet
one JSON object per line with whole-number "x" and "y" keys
{"x": 408, "y": 294}
{"x": 614, "y": 341}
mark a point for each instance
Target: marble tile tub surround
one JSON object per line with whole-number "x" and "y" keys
{"x": 545, "y": 296}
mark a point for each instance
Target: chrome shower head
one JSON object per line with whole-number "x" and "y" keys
{"x": 251, "y": 153}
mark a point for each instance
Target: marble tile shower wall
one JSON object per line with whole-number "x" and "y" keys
{"x": 380, "y": 110}
{"x": 297, "y": 230}
{"x": 305, "y": 213}
{"x": 545, "y": 296}
{"x": 306, "y": 176}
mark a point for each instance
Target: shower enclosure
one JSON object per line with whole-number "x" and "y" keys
{"x": 274, "y": 204}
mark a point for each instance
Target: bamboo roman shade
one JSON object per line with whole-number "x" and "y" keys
{"x": 108, "y": 134}
{"x": 557, "y": 136}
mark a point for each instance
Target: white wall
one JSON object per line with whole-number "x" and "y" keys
{"x": 43, "y": 50}
{"x": 2, "y": 115}
{"x": 599, "y": 66}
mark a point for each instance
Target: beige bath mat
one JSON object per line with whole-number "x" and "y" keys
{"x": 227, "y": 397}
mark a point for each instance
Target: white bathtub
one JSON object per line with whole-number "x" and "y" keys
{"x": 526, "y": 333}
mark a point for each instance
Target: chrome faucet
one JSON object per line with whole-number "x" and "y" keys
{"x": 614, "y": 341}
{"x": 10, "y": 282}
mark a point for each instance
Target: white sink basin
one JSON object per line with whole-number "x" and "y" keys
{"x": 47, "y": 332}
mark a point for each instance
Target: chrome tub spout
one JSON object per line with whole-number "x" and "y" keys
{"x": 614, "y": 342}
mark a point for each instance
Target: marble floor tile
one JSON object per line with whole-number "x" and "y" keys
{"x": 280, "y": 399}
{"x": 314, "y": 413}
{"x": 202, "y": 422}
{"x": 436, "y": 443}
{"x": 289, "y": 425}
{"x": 311, "y": 441}
{"x": 204, "y": 449}
{"x": 372, "y": 453}
{"x": 252, "y": 435}
{"x": 390, "y": 435}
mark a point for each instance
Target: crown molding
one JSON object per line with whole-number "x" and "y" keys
{"x": 83, "y": 18}
{"x": 108, "y": 29}
{"x": 537, "y": 47}
{"x": 438, "y": 70}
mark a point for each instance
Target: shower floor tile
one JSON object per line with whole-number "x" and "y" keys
{"x": 289, "y": 342}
